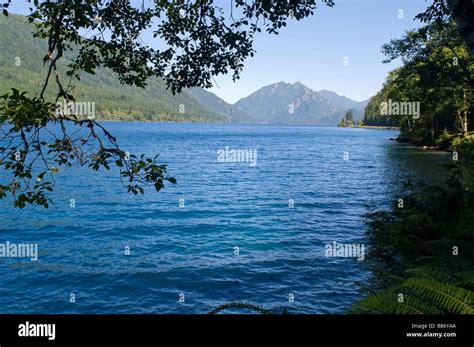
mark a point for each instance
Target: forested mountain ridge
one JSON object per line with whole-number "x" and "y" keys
{"x": 21, "y": 67}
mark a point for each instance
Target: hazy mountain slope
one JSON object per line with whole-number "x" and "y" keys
{"x": 219, "y": 106}
{"x": 342, "y": 101}
{"x": 357, "y": 107}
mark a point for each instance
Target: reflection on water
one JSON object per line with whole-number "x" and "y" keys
{"x": 405, "y": 162}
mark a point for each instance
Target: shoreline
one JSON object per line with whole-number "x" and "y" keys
{"x": 419, "y": 144}
{"x": 245, "y": 123}
{"x": 379, "y": 127}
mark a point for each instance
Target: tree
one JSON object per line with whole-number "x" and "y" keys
{"x": 437, "y": 72}
{"x": 413, "y": 273}
{"x": 372, "y": 115}
{"x": 348, "y": 120}
{"x": 349, "y": 117}
{"x": 199, "y": 40}
{"x": 443, "y": 65}
{"x": 461, "y": 11}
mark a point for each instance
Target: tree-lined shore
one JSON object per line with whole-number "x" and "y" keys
{"x": 422, "y": 248}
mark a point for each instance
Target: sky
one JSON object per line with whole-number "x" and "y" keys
{"x": 337, "y": 49}
{"x": 312, "y": 51}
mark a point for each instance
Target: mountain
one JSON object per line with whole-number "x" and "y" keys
{"x": 287, "y": 103}
{"x": 357, "y": 107}
{"x": 21, "y": 67}
{"x": 219, "y": 106}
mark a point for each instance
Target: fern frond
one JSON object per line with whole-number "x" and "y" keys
{"x": 448, "y": 298}
{"x": 387, "y": 302}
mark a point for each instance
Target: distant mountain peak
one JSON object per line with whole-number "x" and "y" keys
{"x": 323, "y": 91}
{"x": 295, "y": 103}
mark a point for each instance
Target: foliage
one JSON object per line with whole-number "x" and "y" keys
{"x": 424, "y": 247}
{"x": 372, "y": 114}
{"x": 438, "y": 73}
{"x": 347, "y": 121}
{"x": 198, "y": 41}
{"x": 21, "y": 68}
{"x": 462, "y": 11}
{"x": 419, "y": 296}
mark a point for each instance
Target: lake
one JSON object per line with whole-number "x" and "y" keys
{"x": 247, "y": 226}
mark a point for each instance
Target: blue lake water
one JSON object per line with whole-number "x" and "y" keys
{"x": 192, "y": 250}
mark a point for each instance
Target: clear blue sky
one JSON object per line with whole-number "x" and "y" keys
{"x": 312, "y": 50}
